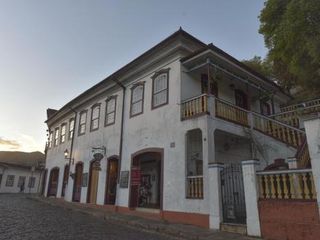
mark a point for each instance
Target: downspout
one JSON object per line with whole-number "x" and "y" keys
{"x": 72, "y": 140}
{"x": 122, "y": 123}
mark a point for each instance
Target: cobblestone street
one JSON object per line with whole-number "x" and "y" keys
{"x": 25, "y": 218}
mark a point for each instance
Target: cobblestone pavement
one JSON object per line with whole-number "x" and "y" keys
{"x": 24, "y": 218}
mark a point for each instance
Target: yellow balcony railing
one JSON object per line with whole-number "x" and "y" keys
{"x": 231, "y": 112}
{"x": 286, "y": 184}
{"x": 195, "y": 187}
{"x": 194, "y": 106}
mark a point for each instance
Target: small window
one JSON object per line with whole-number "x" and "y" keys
{"x": 50, "y": 139}
{"x": 10, "y": 181}
{"x": 111, "y": 110}
{"x": 95, "y": 115}
{"x": 21, "y": 181}
{"x": 160, "y": 88}
{"x": 32, "y": 180}
{"x": 82, "y": 123}
{"x": 71, "y": 128}
{"x": 137, "y": 93}
{"x": 63, "y": 133}
{"x": 56, "y": 137}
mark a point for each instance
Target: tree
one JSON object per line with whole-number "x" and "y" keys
{"x": 259, "y": 65}
{"x": 291, "y": 30}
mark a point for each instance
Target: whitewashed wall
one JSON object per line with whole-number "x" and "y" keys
{"x": 17, "y": 172}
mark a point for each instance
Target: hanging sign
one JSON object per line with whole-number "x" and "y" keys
{"x": 135, "y": 176}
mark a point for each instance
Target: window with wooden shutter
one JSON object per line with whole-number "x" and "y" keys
{"x": 95, "y": 116}
{"x": 160, "y": 88}
{"x": 82, "y": 123}
{"x": 110, "y": 110}
{"x": 137, "y": 94}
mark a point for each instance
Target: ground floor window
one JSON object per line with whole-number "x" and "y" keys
{"x": 21, "y": 181}
{"x": 10, "y": 181}
{"x": 32, "y": 180}
{"x": 194, "y": 181}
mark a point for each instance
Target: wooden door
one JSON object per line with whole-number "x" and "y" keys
{"x": 241, "y": 99}
{"x": 53, "y": 183}
{"x": 77, "y": 182}
{"x": 65, "y": 179}
{"x": 112, "y": 178}
{"x": 93, "y": 182}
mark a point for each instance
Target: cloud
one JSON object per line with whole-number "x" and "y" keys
{"x": 11, "y": 144}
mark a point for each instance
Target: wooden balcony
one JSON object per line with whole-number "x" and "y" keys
{"x": 222, "y": 109}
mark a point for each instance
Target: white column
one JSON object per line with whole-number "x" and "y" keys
{"x": 312, "y": 127}
{"x": 251, "y": 196}
{"x": 215, "y": 207}
{"x": 292, "y": 163}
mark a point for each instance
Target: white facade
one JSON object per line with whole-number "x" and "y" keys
{"x": 10, "y": 174}
{"x": 162, "y": 130}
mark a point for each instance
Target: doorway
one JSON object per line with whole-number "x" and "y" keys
{"x": 44, "y": 182}
{"x": 53, "y": 182}
{"x": 93, "y": 181}
{"x": 65, "y": 180}
{"x": 146, "y": 180}
{"x": 77, "y": 182}
{"x": 232, "y": 192}
{"x": 112, "y": 178}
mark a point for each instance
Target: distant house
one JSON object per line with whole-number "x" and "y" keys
{"x": 21, "y": 172}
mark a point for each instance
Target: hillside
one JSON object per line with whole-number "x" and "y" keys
{"x": 22, "y": 158}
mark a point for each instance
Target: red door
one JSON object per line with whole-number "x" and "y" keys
{"x": 135, "y": 183}
{"x": 53, "y": 182}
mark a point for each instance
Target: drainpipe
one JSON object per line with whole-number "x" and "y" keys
{"x": 72, "y": 140}
{"x": 122, "y": 122}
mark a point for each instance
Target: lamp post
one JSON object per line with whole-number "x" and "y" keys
{"x": 66, "y": 156}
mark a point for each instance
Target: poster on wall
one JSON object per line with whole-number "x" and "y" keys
{"x": 124, "y": 179}
{"x": 84, "y": 180}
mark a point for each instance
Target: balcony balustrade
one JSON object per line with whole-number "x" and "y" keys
{"x": 287, "y": 184}
{"x": 195, "y": 187}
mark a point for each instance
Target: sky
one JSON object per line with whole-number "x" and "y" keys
{"x": 51, "y": 51}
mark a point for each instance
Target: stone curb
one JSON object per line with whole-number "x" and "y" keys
{"x": 157, "y": 226}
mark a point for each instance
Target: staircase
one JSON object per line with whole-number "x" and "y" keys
{"x": 291, "y": 115}
{"x": 283, "y": 127}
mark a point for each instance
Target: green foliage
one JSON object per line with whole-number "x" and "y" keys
{"x": 259, "y": 65}
{"x": 291, "y": 30}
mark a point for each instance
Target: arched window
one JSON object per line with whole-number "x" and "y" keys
{"x": 160, "y": 88}
{"x": 95, "y": 116}
{"x": 137, "y": 94}
{"x": 110, "y": 110}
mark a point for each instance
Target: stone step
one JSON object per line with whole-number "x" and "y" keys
{"x": 234, "y": 228}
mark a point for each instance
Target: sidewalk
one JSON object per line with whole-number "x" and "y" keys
{"x": 181, "y": 231}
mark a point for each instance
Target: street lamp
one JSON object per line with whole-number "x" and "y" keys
{"x": 66, "y": 156}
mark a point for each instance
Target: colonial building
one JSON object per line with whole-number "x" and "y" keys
{"x": 171, "y": 133}
{"x": 21, "y": 172}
